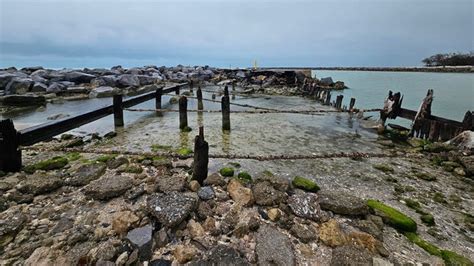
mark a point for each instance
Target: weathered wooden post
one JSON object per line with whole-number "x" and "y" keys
{"x": 468, "y": 121}
{"x": 183, "y": 113}
{"x": 176, "y": 91}
{"x": 423, "y": 112}
{"x": 118, "y": 110}
{"x": 199, "y": 98}
{"x": 226, "y": 91}
{"x": 233, "y": 85}
{"x": 10, "y": 155}
{"x": 213, "y": 96}
{"x": 201, "y": 157}
{"x": 328, "y": 98}
{"x": 225, "y": 104}
{"x": 158, "y": 94}
{"x": 351, "y": 104}
{"x": 191, "y": 85}
{"x": 339, "y": 101}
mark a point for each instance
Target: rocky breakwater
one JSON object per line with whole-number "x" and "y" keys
{"x": 34, "y": 86}
{"x": 118, "y": 210}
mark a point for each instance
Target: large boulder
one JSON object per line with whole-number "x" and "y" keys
{"x": 40, "y": 183}
{"x": 86, "y": 173}
{"x": 305, "y": 205}
{"x": 341, "y": 202}
{"x": 108, "y": 80}
{"x": 19, "y": 86}
{"x": 464, "y": 141}
{"x": 326, "y": 81}
{"x": 11, "y": 222}
{"x": 78, "y": 77}
{"x": 145, "y": 80}
{"x": 170, "y": 209}
{"x": 273, "y": 247}
{"x": 23, "y": 100}
{"x": 108, "y": 187}
{"x": 102, "y": 92}
{"x": 55, "y": 87}
{"x": 128, "y": 80}
{"x": 5, "y": 78}
{"x": 39, "y": 87}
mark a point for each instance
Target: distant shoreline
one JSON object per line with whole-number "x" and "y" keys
{"x": 447, "y": 69}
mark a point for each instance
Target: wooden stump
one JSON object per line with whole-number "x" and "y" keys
{"x": 351, "y": 104}
{"x": 199, "y": 98}
{"x": 158, "y": 94}
{"x": 201, "y": 157}
{"x": 191, "y": 85}
{"x": 118, "y": 110}
{"x": 226, "y": 91}
{"x": 183, "y": 113}
{"x": 10, "y": 155}
{"x": 328, "y": 98}
{"x": 468, "y": 121}
{"x": 339, "y": 101}
{"x": 225, "y": 104}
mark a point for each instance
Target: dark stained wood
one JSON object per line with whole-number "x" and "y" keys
{"x": 10, "y": 155}
{"x": 183, "y": 112}
{"x": 118, "y": 110}
{"x": 201, "y": 157}
{"x": 158, "y": 94}
{"x": 199, "y": 98}
{"x": 351, "y": 104}
{"x": 225, "y": 104}
{"x": 468, "y": 121}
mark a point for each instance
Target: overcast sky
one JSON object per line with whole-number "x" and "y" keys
{"x": 98, "y": 33}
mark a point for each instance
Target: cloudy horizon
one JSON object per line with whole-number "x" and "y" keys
{"x": 235, "y": 33}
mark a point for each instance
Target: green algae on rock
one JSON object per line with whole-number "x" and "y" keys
{"x": 244, "y": 176}
{"x": 428, "y": 247}
{"x": 227, "y": 171}
{"x": 184, "y": 151}
{"x": 392, "y": 216}
{"x": 105, "y": 158}
{"x": 305, "y": 184}
{"x": 384, "y": 168}
{"x": 453, "y": 259}
{"x": 73, "y": 156}
{"x": 428, "y": 219}
{"x": 57, "y": 162}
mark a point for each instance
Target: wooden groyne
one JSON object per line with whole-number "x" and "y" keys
{"x": 441, "y": 69}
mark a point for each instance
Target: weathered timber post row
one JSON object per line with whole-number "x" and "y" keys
{"x": 118, "y": 110}
{"x": 199, "y": 98}
{"x": 225, "y": 104}
{"x": 10, "y": 154}
{"x": 201, "y": 157}
{"x": 351, "y": 104}
{"x": 183, "y": 115}
{"x": 328, "y": 98}
{"x": 339, "y": 102}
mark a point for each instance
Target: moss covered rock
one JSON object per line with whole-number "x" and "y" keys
{"x": 305, "y": 184}
{"x": 227, "y": 171}
{"x": 244, "y": 176}
{"x": 184, "y": 151}
{"x": 392, "y": 216}
{"x": 57, "y": 162}
{"x": 428, "y": 219}
{"x": 437, "y": 147}
{"x": 105, "y": 158}
{"x": 428, "y": 247}
{"x": 452, "y": 258}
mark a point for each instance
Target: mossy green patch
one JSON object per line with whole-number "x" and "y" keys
{"x": 73, "y": 156}
{"x": 132, "y": 169}
{"x": 305, "y": 184}
{"x": 244, "y": 176}
{"x": 57, "y": 162}
{"x": 393, "y": 217}
{"x": 428, "y": 219}
{"x": 66, "y": 136}
{"x": 186, "y": 129}
{"x": 384, "y": 168}
{"x": 396, "y": 135}
{"x": 450, "y": 258}
{"x": 227, "y": 171}
{"x": 184, "y": 151}
{"x": 428, "y": 247}
{"x": 438, "y": 147}
{"x": 267, "y": 173}
{"x": 453, "y": 259}
{"x": 105, "y": 158}
{"x": 439, "y": 197}
{"x": 235, "y": 164}
{"x": 413, "y": 204}
{"x": 425, "y": 176}
{"x": 158, "y": 147}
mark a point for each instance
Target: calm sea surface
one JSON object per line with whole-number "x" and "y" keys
{"x": 454, "y": 92}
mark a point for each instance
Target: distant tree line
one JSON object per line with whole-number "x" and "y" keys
{"x": 452, "y": 59}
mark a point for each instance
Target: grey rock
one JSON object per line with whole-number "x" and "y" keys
{"x": 5, "y": 78}
{"x": 350, "y": 255}
{"x": 128, "y": 80}
{"x": 108, "y": 187}
{"x": 56, "y": 87}
{"x": 370, "y": 227}
{"x": 86, "y": 173}
{"x": 171, "y": 208}
{"x": 305, "y": 205}
{"x": 108, "y": 80}
{"x": 145, "y": 80}
{"x": 273, "y": 247}
{"x": 468, "y": 163}
{"x": 116, "y": 162}
{"x": 160, "y": 262}
{"x": 78, "y": 77}
{"x": 161, "y": 238}
{"x": 266, "y": 195}
{"x": 341, "y": 202}
{"x": 23, "y": 100}
{"x": 326, "y": 81}
{"x": 206, "y": 193}
{"x": 215, "y": 179}
{"x": 102, "y": 92}
{"x": 303, "y": 232}
{"x": 40, "y": 183}
{"x": 11, "y": 222}
{"x": 141, "y": 239}
{"x": 176, "y": 182}
{"x": 19, "y": 86}
{"x": 222, "y": 255}
{"x": 39, "y": 87}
